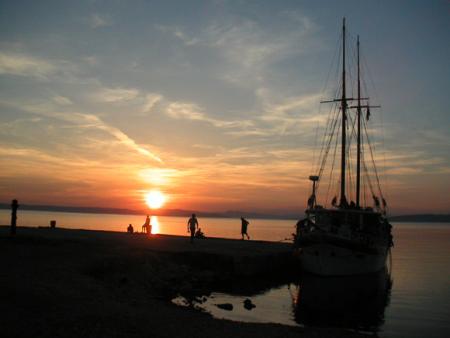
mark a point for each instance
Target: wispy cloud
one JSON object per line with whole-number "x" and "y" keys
{"x": 86, "y": 121}
{"x": 25, "y": 65}
{"x": 283, "y": 116}
{"x": 99, "y": 20}
{"x": 62, "y": 100}
{"x": 116, "y": 94}
{"x": 291, "y": 111}
{"x": 33, "y": 154}
{"x": 91, "y": 60}
{"x": 121, "y": 136}
{"x": 178, "y": 33}
{"x": 160, "y": 176}
{"x": 192, "y": 111}
{"x": 250, "y": 46}
{"x": 403, "y": 171}
{"x": 150, "y": 101}
{"x": 142, "y": 102}
{"x": 20, "y": 62}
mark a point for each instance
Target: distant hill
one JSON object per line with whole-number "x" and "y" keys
{"x": 422, "y": 218}
{"x": 160, "y": 212}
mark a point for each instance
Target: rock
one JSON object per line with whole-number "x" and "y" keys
{"x": 248, "y": 304}
{"x": 225, "y": 306}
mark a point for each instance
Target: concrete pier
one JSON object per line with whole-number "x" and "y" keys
{"x": 230, "y": 256}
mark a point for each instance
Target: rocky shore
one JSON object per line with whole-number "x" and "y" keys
{"x": 76, "y": 283}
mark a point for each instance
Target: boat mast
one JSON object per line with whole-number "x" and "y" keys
{"x": 343, "y": 200}
{"x": 358, "y": 154}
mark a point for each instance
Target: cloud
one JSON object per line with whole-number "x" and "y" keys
{"x": 184, "y": 110}
{"x": 150, "y": 101}
{"x": 403, "y": 171}
{"x": 35, "y": 155}
{"x": 61, "y": 100}
{"x": 122, "y": 137}
{"x": 160, "y": 176}
{"x": 90, "y": 60}
{"x": 25, "y": 65}
{"x": 178, "y": 33}
{"x": 192, "y": 111}
{"x": 279, "y": 115}
{"x": 246, "y": 49}
{"x": 84, "y": 121}
{"x": 92, "y": 121}
{"x": 143, "y": 102}
{"x": 113, "y": 95}
{"x": 286, "y": 106}
{"x": 249, "y": 45}
{"x": 21, "y": 63}
{"x": 97, "y": 20}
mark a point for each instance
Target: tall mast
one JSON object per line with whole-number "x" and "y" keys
{"x": 343, "y": 200}
{"x": 358, "y": 154}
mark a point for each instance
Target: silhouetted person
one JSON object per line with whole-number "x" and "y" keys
{"x": 14, "y": 206}
{"x": 244, "y": 226}
{"x": 192, "y": 225}
{"x": 146, "y": 226}
{"x": 301, "y": 225}
{"x": 130, "y": 229}
{"x": 199, "y": 233}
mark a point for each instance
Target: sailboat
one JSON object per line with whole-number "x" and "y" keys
{"x": 346, "y": 238}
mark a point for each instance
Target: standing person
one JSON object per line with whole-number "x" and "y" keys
{"x": 14, "y": 206}
{"x": 146, "y": 226}
{"x": 244, "y": 226}
{"x": 192, "y": 225}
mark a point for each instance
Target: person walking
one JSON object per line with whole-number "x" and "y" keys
{"x": 244, "y": 226}
{"x": 192, "y": 226}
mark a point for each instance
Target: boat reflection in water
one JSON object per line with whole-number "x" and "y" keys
{"x": 356, "y": 302}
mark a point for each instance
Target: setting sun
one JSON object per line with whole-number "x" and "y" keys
{"x": 155, "y": 199}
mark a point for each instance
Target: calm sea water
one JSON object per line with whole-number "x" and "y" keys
{"x": 260, "y": 229}
{"x": 415, "y": 304}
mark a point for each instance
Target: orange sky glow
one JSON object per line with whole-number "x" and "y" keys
{"x": 217, "y": 111}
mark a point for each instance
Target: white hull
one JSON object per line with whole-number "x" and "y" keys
{"x": 330, "y": 260}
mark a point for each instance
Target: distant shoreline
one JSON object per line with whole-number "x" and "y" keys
{"x": 417, "y": 218}
{"x": 161, "y": 212}
{"x": 422, "y": 218}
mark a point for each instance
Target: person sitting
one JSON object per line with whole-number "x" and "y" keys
{"x": 130, "y": 229}
{"x": 199, "y": 233}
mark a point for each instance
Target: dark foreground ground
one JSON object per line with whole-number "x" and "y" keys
{"x": 74, "y": 283}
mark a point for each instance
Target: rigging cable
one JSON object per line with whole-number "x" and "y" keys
{"x": 337, "y": 52}
{"x": 325, "y": 155}
{"x": 385, "y": 177}
{"x": 332, "y": 168}
{"x": 373, "y": 161}
{"x": 350, "y": 163}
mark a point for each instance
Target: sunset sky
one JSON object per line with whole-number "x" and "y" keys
{"x": 213, "y": 103}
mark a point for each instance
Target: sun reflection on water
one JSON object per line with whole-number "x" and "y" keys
{"x": 155, "y": 225}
